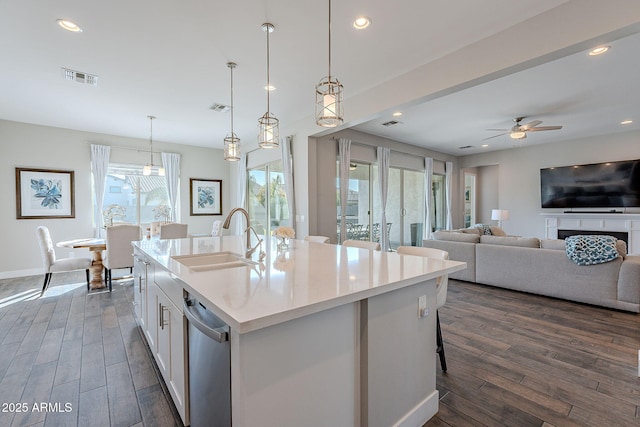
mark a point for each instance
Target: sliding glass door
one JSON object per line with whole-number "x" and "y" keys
{"x": 267, "y": 200}
{"x": 358, "y": 220}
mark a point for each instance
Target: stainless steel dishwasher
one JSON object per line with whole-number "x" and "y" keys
{"x": 209, "y": 366}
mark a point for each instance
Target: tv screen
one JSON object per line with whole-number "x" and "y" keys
{"x": 600, "y": 185}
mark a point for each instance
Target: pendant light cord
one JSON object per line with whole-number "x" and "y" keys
{"x": 231, "y": 68}
{"x": 329, "y": 41}
{"x": 268, "y": 76}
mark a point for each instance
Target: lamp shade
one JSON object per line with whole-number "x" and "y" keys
{"x": 499, "y": 214}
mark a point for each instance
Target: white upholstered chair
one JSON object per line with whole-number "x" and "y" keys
{"x": 173, "y": 230}
{"x": 441, "y": 290}
{"x": 155, "y": 227}
{"x": 216, "y": 229}
{"x": 119, "y": 253}
{"x": 363, "y": 244}
{"x": 54, "y": 265}
{"x": 317, "y": 239}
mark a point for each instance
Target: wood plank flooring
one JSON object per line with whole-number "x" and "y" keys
{"x": 517, "y": 359}
{"x": 514, "y": 359}
{"x": 75, "y": 359}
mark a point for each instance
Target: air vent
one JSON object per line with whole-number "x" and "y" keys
{"x": 391, "y": 123}
{"x": 220, "y": 108}
{"x": 80, "y": 77}
{"x": 464, "y": 147}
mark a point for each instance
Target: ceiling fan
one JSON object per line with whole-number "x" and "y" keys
{"x": 519, "y": 131}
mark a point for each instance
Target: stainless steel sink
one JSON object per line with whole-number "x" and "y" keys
{"x": 213, "y": 261}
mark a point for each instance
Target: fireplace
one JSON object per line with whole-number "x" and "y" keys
{"x": 620, "y": 235}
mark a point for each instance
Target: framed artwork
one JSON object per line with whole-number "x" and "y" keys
{"x": 44, "y": 193}
{"x": 206, "y": 196}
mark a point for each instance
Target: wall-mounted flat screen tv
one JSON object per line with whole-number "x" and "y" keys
{"x": 600, "y": 185}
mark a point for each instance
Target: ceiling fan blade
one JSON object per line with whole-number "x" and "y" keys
{"x": 544, "y": 128}
{"x": 498, "y": 130}
{"x": 495, "y": 136}
{"x": 530, "y": 125}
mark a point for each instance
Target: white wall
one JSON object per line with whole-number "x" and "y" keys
{"x": 519, "y": 173}
{"x": 32, "y": 146}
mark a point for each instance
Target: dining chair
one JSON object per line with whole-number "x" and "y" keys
{"x": 54, "y": 265}
{"x": 317, "y": 239}
{"x": 173, "y": 230}
{"x": 441, "y": 290}
{"x": 155, "y": 227}
{"x": 363, "y": 244}
{"x": 216, "y": 229}
{"x": 119, "y": 252}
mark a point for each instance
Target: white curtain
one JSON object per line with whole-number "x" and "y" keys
{"x": 99, "y": 168}
{"x": 344, "y": 147}
{"x": 241, "y": 194}
{"x": 384, "y": 154}
{"x": 287, "y": 169}
{"x": 448, "y": 175}
{"x": 171, "y": 164}
{"x": 428, "y": 197}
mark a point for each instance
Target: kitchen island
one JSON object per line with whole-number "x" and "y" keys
{"x": 319, "y": 334}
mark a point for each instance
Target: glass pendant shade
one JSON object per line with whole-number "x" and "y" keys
{"x": 232, "y": 142}
{"x": 268, "y": 131}
{"x": 329, "y": 102}
{"x": 268, "y": 125}
{"x": 232, "y": 148}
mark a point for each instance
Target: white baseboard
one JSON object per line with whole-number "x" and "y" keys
{"x": 421, "y": 413}
{"x": 20, "y": 273}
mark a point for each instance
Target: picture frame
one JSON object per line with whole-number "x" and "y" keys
{"x": 44, "y": 193}
{"x": 205, "y": 196}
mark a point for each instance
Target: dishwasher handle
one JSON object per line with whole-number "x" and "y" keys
{"x": 218, "y": 334}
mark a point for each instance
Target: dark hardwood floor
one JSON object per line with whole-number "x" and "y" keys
{"x": 517, "y": 359}
{"x": 75, "y": 359}
{"x": 514, "y": 359}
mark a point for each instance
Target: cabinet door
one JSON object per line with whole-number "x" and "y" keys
{"x": 152, "y": 315}
{"x": 170, "y": 350}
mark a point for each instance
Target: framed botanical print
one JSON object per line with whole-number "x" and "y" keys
{"x": 206, "y": 196}
{"x": 44, "y": 193}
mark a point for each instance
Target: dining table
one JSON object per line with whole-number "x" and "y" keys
{"x": 95, "y": 246}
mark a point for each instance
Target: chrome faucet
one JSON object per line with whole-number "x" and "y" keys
{"x": 248, "y": 230}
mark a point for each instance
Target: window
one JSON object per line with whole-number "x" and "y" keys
{"x": 137, "y": 194}
{"x": 267, "y": 200}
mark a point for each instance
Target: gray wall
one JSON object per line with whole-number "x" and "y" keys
{"x": 519, "y": 173}
{"x": 32, "y": 146}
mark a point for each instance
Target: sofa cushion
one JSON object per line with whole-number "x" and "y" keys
{"x": 472, "y": 230}
{"x": 524, "y": 242}
{"x": 454, "y": 236}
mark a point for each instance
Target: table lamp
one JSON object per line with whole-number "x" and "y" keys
{"x": 499, "y": 215}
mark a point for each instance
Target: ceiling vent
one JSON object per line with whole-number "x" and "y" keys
{"x": 390, "y": 123}
{"x": 464, "y": 147}
{"x": 220, "y": 108}
{"x": 80, "y": 77}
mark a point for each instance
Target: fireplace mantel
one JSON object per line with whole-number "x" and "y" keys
{"x": 629, "y": 223}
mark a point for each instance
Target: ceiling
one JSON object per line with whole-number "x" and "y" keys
{"x": 168, "y": 59}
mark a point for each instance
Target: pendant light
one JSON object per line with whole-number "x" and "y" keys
{"x": 150, "y": 167}
{"x": 232, "y": 142}
{"x": 268, "y": 125}
{"x": 329, "y": 95}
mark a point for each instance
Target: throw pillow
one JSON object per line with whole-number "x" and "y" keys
{"x": 484, "y": 229}
{"x": 590, "y": 250}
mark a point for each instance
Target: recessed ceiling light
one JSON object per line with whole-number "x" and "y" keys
{"x": 397, "y": 114}
{"x": 270, "y": 88}
{"x": 626, "y": 122}
{"x": 69, "y": 25}
{"x": 485, "y": 145}
{"x": 361, "y": 22}
{"x": 598, "y": 50}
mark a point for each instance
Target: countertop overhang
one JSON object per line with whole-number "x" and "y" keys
{"x": 305, "y": 279}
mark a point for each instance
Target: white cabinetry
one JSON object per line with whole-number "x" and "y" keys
{"x": 157, "y": 304}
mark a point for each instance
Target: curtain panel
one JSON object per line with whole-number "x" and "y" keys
{"x": 428, "y": 197}
{"x": 344, "y": 149}
{"x": 171, "y": 164}
{"x": 384, "y": 154}
{"x": 99, "y": 167}
{"x": 287, "y": 169}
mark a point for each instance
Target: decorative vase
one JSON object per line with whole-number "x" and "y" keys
{"x": 283, "y": 244}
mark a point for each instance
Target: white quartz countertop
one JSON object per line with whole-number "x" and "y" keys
{"x": 305, "y": 279}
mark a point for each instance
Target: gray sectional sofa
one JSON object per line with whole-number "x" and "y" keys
{"x": 541, "y": 266}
